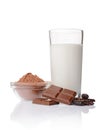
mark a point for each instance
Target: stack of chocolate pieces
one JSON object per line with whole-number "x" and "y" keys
{"x": 55, "y": 95}
{"x": 59, "y": 94}
{"x": 83, "y": 100}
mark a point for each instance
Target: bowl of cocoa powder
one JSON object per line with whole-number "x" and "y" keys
{"x": 29, "y": 86}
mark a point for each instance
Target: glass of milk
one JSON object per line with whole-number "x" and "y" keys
{"x": 66, "y": 47}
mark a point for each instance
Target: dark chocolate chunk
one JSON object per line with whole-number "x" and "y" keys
{"x": 88, "y": 103}
{"x": 44, "y": 101}
{"x": 85, "y": 96}
{"x": 78, "y": 101}
{"x": 92, "y": 100}
{"x": 81, "y": 101}
{"x": 91, "y": 103}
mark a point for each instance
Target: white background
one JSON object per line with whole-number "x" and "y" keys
{"x": 24, "y": 47}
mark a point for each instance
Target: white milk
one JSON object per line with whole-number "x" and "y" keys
{"x": 66, "y": 65}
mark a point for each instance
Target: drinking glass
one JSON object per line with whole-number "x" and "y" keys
{"x": 66, "y": 46}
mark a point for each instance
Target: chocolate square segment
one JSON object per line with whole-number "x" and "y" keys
{"x": 52, "y": 91}
{"x": 65, "y": 98}
{"x": 69, "y": 92}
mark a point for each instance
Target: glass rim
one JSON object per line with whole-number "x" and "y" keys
{"x": 65, "y": 30}
{"x": 66, "y": 35}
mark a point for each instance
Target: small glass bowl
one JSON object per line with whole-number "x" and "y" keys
{"x": 28, "y": 91}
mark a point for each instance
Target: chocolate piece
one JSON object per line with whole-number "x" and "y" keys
{"x": 85, "y": 96}
{"x": 52, "y": 91}
{"x": 44, "y": 101}
{"x": 65, "y": 98}
{"x": 93, "y": 100}
{"x": 70, "y": 92}
{"x": 81, "y": 101}
{"x": 78, "y": 102}
{"x": 88, "y": 103}
{"x": 59, "y": 94}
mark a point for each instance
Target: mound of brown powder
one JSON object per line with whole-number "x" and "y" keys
{"x": 30, "y": 78}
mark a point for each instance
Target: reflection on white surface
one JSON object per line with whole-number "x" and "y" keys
{"x": 39, "y": 116}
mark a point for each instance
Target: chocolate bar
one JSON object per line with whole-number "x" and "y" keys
{"x": 44, "y": 101}
{"x": 59, "y": 94}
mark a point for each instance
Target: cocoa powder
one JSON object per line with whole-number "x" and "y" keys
{"x": 29, "y": 86}
{"x": 30, "y": 78}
